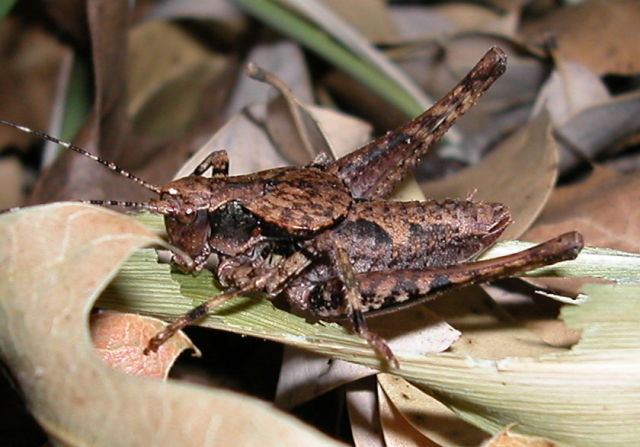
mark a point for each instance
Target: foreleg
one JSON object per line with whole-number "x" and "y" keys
{"x": 267, "y": 280}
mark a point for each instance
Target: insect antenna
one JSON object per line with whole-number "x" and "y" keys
{"x": 108, "y": 164}
{"x": 124, "y": 204}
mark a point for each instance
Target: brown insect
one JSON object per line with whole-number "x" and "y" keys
{"x": 324, "y": 237}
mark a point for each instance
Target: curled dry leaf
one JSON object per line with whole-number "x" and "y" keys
{"x": 569, "y": 89}
{"x": 56, "y": 260}
{"x": 238, "y": 133}
{"x": 426, "y": 415}
{"x": 488, "y": 332}
{"x": 598, "y": 129}
{"x": 396, "y": 430}
{"x": 587, "y": 120}
{"x": 168, "y": 75}
{"x": 120, "y": 338}
{"x": 508, "y": 439}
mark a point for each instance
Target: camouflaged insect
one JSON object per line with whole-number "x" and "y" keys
{"x": 323, "y": 235}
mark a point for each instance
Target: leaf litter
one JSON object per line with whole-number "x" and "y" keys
{"x": 173, "y": 107}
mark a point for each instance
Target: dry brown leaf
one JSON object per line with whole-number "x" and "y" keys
{"x": 104, "y": 128}
{"x": 30, "y": 60}
{"x": 120, "y": 338}
{"x": 520, "y": 173}
{"x": 436, "y": 423}
{"x": 70, "y": 16}
{"x": 396, "y": 430}
{"x": 249, "y": 146}
{"x": 507, "y": 439}
{"x": 488, "y": 332}
{"x": 168, "y": 71}
{"x": 599, "y": 34}
{"x": 56, "y": 259}
{"x": 371, "y": 18}
{"x": 294, "y": 131}
{"x": 601, "y": 207}
{"x": 246, "y": 130}
{"x": 455, "y": 18}
{"x": 598, "y": 129}
{"x": 587, "y": 120}
{"x": 364, "y": 417}
{"x": 11, "y": 193}
{"x": 570, "y": 89}
{"x": 532, "y": 311}
{"x": 305, "y": 376}
{"x": 179, "y": 100}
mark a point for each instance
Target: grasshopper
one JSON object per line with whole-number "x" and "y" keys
{"x": 323, "y": 235}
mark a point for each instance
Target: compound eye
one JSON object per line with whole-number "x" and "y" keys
{"x": 186, "y": 215}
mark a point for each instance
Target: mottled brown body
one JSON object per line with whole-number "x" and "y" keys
{"x": 399, "y": 235}
{"x": 323, "y": 236}
{"x": 306, "y": 199}
{"x": 386, "y": 235}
